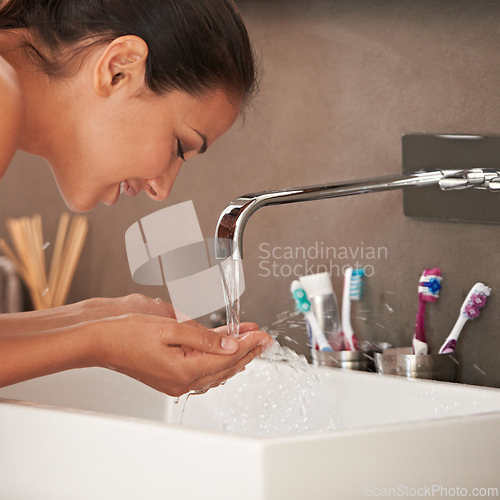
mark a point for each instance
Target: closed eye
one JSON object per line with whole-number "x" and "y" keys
{"x": 180, "y": 151}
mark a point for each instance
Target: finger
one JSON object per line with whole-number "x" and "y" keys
{"x": 248, "y": 327}
{"x": 207, "y": 364}
{"x": 208, "y": 370}
{"x": 250, "y": 339}
{"x": 244, "y": 327}
{"x": 196, "y": 336}
{"x": 214, "y": 380}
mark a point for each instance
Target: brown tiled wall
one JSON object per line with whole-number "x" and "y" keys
{"x": 342, "y": 80}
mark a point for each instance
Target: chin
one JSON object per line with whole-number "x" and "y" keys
{"x": 75, "y": 201}
{"x": 79, "y": 206}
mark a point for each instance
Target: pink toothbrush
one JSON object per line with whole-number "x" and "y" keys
{"x": 428, "y": 291}
{"x": 471, "y": 309}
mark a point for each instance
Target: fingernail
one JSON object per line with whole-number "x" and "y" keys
{"x": 229, "y": 344}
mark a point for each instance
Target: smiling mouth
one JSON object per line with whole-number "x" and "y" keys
{"x": 126, "y": 188}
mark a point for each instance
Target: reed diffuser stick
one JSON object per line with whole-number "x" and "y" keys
{"x": 55, "y": 265}
{"x": 72, "y": 251}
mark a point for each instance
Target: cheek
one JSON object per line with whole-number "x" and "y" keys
{"x": 108, "y": 146}
{"x": 151, "y": 160}
{"x": 137, "y": 143}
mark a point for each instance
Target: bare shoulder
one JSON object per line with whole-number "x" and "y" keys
{"x": 11, "y": 111}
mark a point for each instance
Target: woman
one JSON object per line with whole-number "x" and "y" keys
{"x": 116, "y": 96}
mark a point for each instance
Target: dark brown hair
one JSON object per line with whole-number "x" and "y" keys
{"x": 194, "y": 45}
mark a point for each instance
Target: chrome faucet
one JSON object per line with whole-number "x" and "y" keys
{"x": 232, "y": 221}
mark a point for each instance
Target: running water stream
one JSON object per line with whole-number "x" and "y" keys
{"x": 231, "y": 285}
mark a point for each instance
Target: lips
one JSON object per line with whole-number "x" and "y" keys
{"x": 124, "y": 188}
{"x": 128, "y": 189}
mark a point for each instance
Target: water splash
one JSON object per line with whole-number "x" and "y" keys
{"x": 276, "y": 398}
{"x": 284, "y": 408}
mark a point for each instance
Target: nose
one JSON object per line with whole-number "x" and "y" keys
{"x": 157, "y": 189}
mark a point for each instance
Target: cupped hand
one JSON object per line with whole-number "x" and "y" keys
{"x": 172, "y": 357}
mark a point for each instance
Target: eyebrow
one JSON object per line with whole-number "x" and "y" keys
{"x": 203, "y": 147}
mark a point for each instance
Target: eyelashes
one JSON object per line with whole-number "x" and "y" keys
{"x": 180, "y": 151}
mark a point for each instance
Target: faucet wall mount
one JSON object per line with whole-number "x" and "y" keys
{"x": 461, "y": 152}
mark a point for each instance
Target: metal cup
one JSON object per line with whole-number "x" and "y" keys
{"x": 402, "y": 362}
{"x": 347, "y": 360}
{"x": 369, "y": 349}
{"x": 362, "y": 359}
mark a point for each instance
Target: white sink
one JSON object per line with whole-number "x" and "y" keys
{"x": 95, "y": 434}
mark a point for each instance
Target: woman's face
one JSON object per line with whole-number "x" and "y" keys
{"x": 130, "y": 144}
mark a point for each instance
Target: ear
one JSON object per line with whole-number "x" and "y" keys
{"x": 121, "y": 65}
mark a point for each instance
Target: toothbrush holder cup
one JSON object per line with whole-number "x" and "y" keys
{"x": 362, "y": 359}
{"x": 346, "y": 360}
{"x": 402, "y": 362}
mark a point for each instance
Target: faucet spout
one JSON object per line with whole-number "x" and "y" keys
{"x": 233, "y": 219}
